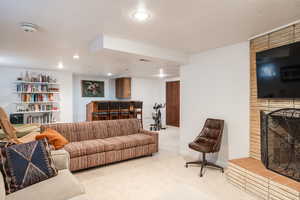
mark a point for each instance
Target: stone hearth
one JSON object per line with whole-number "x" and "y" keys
{"x": 252, "y": 176}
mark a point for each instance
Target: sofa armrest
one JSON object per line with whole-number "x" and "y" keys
{"x": 61, "y": 159}
{"x": 2, "y": 186}
{"x": 153, "y": 134}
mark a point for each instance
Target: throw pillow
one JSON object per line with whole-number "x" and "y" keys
{"x": 54, "y": 138}
{"x": 25, "y": 164}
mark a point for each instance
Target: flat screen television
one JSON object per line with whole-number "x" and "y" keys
{"x": 278, "y": 72}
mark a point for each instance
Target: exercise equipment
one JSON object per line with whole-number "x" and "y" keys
{"x": 156, "y": 116}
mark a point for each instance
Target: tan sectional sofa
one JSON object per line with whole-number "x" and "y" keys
{"x": 102, "y": 142}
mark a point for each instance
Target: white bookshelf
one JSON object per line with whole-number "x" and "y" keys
{"x": 41, "y": 83}
{"x": 37, "y": 92}
{"x": 36, "y": 101}
{"x": 42, "y": 111}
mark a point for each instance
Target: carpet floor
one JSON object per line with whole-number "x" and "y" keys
{"x": 160, "y": 177}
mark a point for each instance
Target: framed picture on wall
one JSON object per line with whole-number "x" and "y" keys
{"x": 92, "y": 88}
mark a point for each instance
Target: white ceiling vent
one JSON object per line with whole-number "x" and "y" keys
{"x": 28, "y": 27}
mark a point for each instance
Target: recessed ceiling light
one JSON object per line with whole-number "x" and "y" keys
{"x": 161, "y": 73}
{"x": 60, "y": 65}
{"x": 28, "y": 27}
{"x": 76, "y": 57}
{"x": 144, "y": 60}
{"x": 141, "y": 15}
{"x": 109, "y": 74}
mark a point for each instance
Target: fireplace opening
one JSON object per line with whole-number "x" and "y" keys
{"x": 280, "y": 141}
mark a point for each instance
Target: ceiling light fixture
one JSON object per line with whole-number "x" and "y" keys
{"x": 109, "y": 74}
{"x": 144, "y": 60}
{"x": 161, "y": 73}
{"x": 76, "y": 57}
{"x": 141, "y": 15}
{"x": 60, "y": 65}
{"x": 28, "y": 27}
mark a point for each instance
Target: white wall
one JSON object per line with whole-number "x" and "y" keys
{"x": 80, "y": 102}
{"x": 66, "y": 96}
{"x": 216, "y": 85}
{"x": 9, "y": 75}
{"x": 150, "y": 91}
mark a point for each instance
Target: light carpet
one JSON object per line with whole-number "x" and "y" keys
{"x": 160, "y": 177}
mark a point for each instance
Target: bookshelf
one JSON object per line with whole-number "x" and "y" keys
{"x": 42, "y": 83}
{"x": 38, "y": 98}
{"x": 45, "y": 111}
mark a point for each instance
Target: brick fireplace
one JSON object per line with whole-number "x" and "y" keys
{"x": 272, "y": 169}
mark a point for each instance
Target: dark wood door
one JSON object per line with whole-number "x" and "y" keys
{"x": 173, "y": 103}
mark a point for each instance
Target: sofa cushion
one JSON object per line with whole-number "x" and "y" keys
{"x": 75, "y": 132}
{"x": 133, "y": 126}
{"x": 125, "y": 142}
{"x": 143, "y": 139}
{"x": 26, "y": 164}
{"x": 100, "y": 129}
{"x": 64, "y": 186}
{"x": 112, "y": 144}
{"x": 122, "y": 127}
{"x": 83, "y": 148}
{"x": 114, "y": 128}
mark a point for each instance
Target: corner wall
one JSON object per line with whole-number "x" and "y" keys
{"x": 216, "y": 85}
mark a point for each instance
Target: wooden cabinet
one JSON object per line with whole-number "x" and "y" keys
{"x": 123, "y": 88}
{"x": 104, "y": 110}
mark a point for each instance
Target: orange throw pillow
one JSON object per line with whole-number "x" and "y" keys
{"x": 53, "y": 137}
